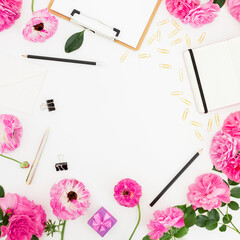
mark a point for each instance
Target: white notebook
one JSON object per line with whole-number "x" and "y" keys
{"x": 214, "y": 73}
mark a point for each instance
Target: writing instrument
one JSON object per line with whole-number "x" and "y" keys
{"x": 37, "y": 158}
{"x": 175, "y": 178}
{"x": 62, "y": 60}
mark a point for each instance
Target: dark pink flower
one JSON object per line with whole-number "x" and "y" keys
{"x": 232, "y": 170}
{"x": 231, "y": 125}
{"x": 128, "y": 192}
{"x": 234, "y": 8}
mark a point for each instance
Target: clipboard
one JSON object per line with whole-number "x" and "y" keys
{"x": 142, "y": 34}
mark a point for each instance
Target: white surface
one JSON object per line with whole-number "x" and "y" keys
{"x": 113, "y": 122}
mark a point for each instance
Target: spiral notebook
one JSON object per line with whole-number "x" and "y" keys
{"x": 214, "y": 73}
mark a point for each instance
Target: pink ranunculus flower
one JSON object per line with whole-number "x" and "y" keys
{"x": 234, "y": 8}
{"x": 127, "y": 193}
{"x": 69, "y": 199}
{"x": 202, "y": 14}
{"x": 41, "y": 27}
{"x": 9, "y": 13}
{"x": 232, "y": 170}
{"x": 231, "y": 125}
{"x": 10, "y": 133}
{"x": 223, "y": 148}
{"x": 208, "y": 192}
{"x": 181, "y": 8}
{"x": 163, "y": 220}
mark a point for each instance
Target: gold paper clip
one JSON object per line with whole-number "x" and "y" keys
{"x": 185, "y": 113}
{"x": 181, "y": 75}
{"x": 175, "y": 93}
{"x": 173, "y": 33}
{"x": 176, "y": 25}
{"x": 197, "y": 124}
{"x": 188, "y": 40}
{"x": 200, "y": 40}
{"x": 144, "y": 55}
{"x": 124, "y": 56}
{"x": 158, "y": 35}
{"x": 150, "y": 41}
{"x": 217, "y": 120}
{"x": 209, "y": 125}
{"x": 163, "y": 22}
{"x": 199, "y": 136}
{"x": 167, "y": 66}
{"x": 187, "y": 102}
{"x": 176, "y": 41}
{"x": 161, "y": 50}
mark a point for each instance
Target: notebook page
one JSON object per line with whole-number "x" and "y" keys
{"x": 130, "y": 17}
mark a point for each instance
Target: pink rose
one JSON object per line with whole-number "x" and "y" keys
{"x": 234, "y": 8}
{"x": 9, "y": 201}
{"x": 232, "y": 170}
{"x": 208, "y": 192}
{"x": 202, "y": 14}
{"x": 223, "y": 148}
{"x": 231, "y": 125}
{"x": 180, "y": 8}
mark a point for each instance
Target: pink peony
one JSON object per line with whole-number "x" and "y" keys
{"x": 10, "y": 134}
{"x": 202, "y": 14}
{"x": 41, "y": 27}
{"x": 208, "y": 192}
{"x": 223, "y": 148}
{"x": 69, "y": 199}
{"x": 127, "y": 192}
{"x": 231, "y": 125}
{"x": 9, "y": 12}
{"x": 232, "y": 170}
{"x": 234, "y": 8}
{"x": 171, "y": 217}
{"x": 180, "y": 8}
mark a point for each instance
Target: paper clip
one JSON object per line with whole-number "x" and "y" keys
{"x": 150, "y": 41}
{"x": 199, "y": 136}
{"x": 176, "y": 41}
{"x": 163, "y": 22}
{"x": 48, "y": 105}
{"x": 176, "y": 93}
{"x": 167, "y": 66}
{"x": 185, "y": 113}
{"x": 176, "y": 25}
{"x": 61, "y": 166}
{"x": 158, "y": 35}
{"x": 181, "y": 75}
{"x": 124, "y": 56}
{"x": 196, "y": 124}
{"x": 187, "y": 102}
{"x": 161, "y": 50}
{"x": 200, "y": 40}
{"x": 188, "y": 40}
{"x": 173, "y": 33}
{"x": 217, "y": 120}
{"x": 144, "y": 55}
{"x": 209, "y": 125}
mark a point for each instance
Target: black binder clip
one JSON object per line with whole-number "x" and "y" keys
{"x": 48, "y": 105}
{"x": 61, "y": 166}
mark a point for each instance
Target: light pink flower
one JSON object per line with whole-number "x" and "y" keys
{"x": 10, "y": 133}
{"x": 208, "y": 192}
{"x": 231, "y": 125}
{"x": 69, "y": 199}
{"x": 223, "y": 148}
{"x": 234, "y": 8}
{"x": 202, "y": 14}
{"x": 232, "y": 170}
{"x": 41, "y": 27}
{"x": 128, "y": 192}
{"x": 171, "y": 217}
{"x": 9, "y": 13}
{"x": 180, "y": 8}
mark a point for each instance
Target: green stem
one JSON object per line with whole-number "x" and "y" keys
{"x": 10, "y": 159}
{"x": 32, "y": 7}
{"x": 139, "y": 218}
{"x": 227, "y": 226}
{"x": 63, "y": 229}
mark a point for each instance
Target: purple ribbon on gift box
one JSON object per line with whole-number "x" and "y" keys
{"x": 101, "y": 223}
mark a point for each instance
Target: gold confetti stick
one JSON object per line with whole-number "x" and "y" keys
{"x": 181, "y": 75}
{"x": 124, "y": 56}
{"x": 199, "y": 136}
{"x": 150, "y": 41}
{"x": 175, "y": 93}
{"x": 197, "y": 124}
{"x": 167, "y": 66}
{"x": 158, "y": 35}
{"x": 187, "y": 102}
{"x": 144, "y": 55}
{"x": 188, "y": 40}
{"x": 176, "y": 25}
{"x": 200, "y": 40}
{"x": 161, "y": 50}
{"x": 209, "y": 125}
{"x": 217, "y": 120}
{"x": 185, "y": 113}
{"x": 176, "y": 42}
{"x": 163, "y": 22}
{"x": 173, "y": 33}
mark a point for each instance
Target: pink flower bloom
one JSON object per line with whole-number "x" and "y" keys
{"x": 223, "y": 148}
{"x": 232, "y": 170}
{"x": 208, "y": 192}
{"x": 234, "y": 8}
{"x": 180, "y": 8}
{"x": 171, "y": 217}
{"x": 231, "y": 125}
{"x": 10, "y": 133}
{"x": 41, "y": 27}
{"x": 202, "y": 14}
{"x": 127, "y": 192}
{"x": 69, "y": 199}
{"x": 9, "y": 12}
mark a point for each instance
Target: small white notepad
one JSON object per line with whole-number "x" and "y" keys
{"x": 214, "y": 73}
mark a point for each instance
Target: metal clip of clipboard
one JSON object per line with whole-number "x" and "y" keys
{"x": 94, "y": 25}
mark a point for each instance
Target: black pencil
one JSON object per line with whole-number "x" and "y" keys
{"x": 62, "y": 60}
{"x": 175, "y": 178}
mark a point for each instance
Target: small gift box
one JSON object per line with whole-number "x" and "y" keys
{"x": 102, "y": 221}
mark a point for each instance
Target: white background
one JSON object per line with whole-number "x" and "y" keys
{"x": 114, "y": 121}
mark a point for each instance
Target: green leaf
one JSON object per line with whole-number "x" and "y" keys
{"x": 226, "y": 182}
{"x": 201, "y": 220}
{"x": 223, "y": 228}
{"x": 189, "y": 210}
{"x": 146, "y": 238}
{"x": 223, "y": 204}
{"x": 2, "y": 193}
{"x": 165, "y": 236}
{"x": 1, "y": 215}
{"x": 233, "y": 205}
{"x": 182, "y": 207}
{"x": 5, "y": 220}
{"x": 211, "y": 225}
{"x": 201, "y": 210}
{"x": 227, "y": 218}
{"x": 214, "y": 169}
{"x": 34, "y": 237}
{"x": 214, "y": 215}
{"x": 190, "y": 220}
{"x": 232, "y": 183}
{"x": 181, "y": 232}
{"x": 74, "y": 42}
{"x": 219, "y": 2}
{"x": 235, "y": 192}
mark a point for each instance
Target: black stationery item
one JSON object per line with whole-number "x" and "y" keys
{"x": 48, "y": 105}
{"x": 175, "y": 178}
{"x": 61, "y": 166}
